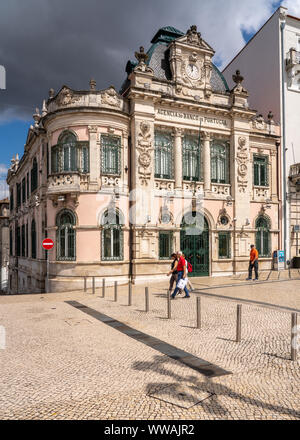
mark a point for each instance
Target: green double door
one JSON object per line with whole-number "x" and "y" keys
{"x": 194, "y": 243}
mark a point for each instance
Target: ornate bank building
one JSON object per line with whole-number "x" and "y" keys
{"x": 119, "y": 181}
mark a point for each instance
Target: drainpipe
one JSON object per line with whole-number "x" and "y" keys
{"x": 282, "y": 26}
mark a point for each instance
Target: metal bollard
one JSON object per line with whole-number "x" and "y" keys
{"x": 85, "y": 284}
{"x": 146, "y": 299}
{"x": 103, "y": 287}
{"x": 129, "y": 293}
{"x": 294, "y": 337}
{"x": 198, "y": 312}
{"x": 169, "y": 305}
{"x": 116, "y": 291}
{"x": 239, "y": 323}
{"x": 93, "y": 285}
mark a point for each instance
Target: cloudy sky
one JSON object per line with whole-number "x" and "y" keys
{"x": 48, "y": 43}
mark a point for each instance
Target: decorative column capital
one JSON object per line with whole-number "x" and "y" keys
{"x": 178, "y": 132}
{"x": 206, "y": 135}
{"x": 92, "y": 128}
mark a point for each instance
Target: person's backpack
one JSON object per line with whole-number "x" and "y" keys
{"x": 189, "y": 267}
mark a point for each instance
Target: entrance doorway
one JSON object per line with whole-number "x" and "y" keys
{"x": 194, "y": 243}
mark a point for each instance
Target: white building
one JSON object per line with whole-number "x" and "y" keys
{"x": 270, "y": 62}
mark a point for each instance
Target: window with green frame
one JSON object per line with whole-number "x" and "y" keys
{"x": 70, "y": 154}
{"x": 191, "y": 158}
{"x": 66, "y": 236}
{"x": 165, "y": 245}
{"x": 33, "y": 239}
{"x": 23, "y": 190}
{"x": 219, "y": 162}
{"x": 163, "y": 143}
{"x": 262, "y": 237}
{"x": 260, "y": 170}
{"x": 23, "y": 241}
{"x": 18, "y": 238}
{"x": 18, "y": 194}
{"x": 34, "y": 175}
{"x": 224, "y": 244}
{"x": 11, "y": 205}
{"x": 111, "y": 154}
{"x": 11, "y": 242}
{"x": 112, "y": 236}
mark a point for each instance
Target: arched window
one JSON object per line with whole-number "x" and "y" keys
{"x": 33, "y": 239}
{"x": 112, "y": 236}
{"x": 66, "y": 236}
{"x": 262, "y": 236}
{"x": 68, "y": 143}
{"x": 69, "y": 154}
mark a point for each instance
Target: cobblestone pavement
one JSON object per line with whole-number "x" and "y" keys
{"x": 64, "y": 362}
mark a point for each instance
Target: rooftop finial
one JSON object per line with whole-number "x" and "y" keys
{"x": 92, "y": 84}
{"x": 141, "y": 56}
{"x": 51, "y": 93}
{"x": 44, "y": 108}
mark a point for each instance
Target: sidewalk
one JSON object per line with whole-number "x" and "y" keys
{"x": 77, "y": 355}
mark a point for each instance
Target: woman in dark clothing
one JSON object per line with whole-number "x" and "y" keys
{"x": 173, "y": 272}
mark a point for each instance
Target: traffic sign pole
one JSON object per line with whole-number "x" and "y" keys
{"x": 47, "y": 244}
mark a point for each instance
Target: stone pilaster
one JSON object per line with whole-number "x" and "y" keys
{"x": 94, "y": 157}
{"x": 178, "y": 133}
{"x": 206, "y": 160}
{"x": 273, "y": 173}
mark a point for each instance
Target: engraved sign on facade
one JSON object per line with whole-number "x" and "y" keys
{"x": 224, "y": 123}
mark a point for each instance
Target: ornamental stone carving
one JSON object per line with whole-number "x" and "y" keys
{"x": 242, "y": 160}
{"x": 144, "y": 146}
{"x": 110, "y": 97}
{"x": 194, "y": 37}
{"x": 66, "y": 97}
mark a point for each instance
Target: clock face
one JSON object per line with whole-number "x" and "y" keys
{"x": 192, "y": 71}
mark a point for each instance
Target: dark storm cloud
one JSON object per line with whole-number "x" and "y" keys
{"x": 48, "y": 43}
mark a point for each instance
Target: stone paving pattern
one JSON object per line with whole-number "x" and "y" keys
{"x": 61, "y": 363}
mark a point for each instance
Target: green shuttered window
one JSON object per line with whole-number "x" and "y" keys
{"x": 260, "y": 165}
{"x": 70, "y": 155}
{"x": 33, "y": 239}
{"x": 165, "y": 245}
{"x": 34, "y": 175}
{"x": 191, "y": 158}
{"x": 112, "y": 237}
{"x": 163, "y": 155}
{"x": 224, "y": 245}
{"x": 262, "y": 237}
{"x": 111, "y": 155}
{"x": 219, "y": 159}
{"x": 66, "y": 236}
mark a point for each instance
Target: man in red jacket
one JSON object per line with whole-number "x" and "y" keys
{"x": 181, "y": 269}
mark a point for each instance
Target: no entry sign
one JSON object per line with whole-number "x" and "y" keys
{"x": 47, "y": 244}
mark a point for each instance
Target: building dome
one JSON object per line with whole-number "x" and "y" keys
{"x": 159, "y": 60}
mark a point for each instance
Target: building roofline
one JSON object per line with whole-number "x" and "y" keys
{"x": 293, "y": 17}
{"x": 248, "y": 42}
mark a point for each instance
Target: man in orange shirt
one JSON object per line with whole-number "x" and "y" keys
{"x": 253, "y": 263}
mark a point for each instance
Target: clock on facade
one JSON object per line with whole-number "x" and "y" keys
{"x": 192, "y": 71}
